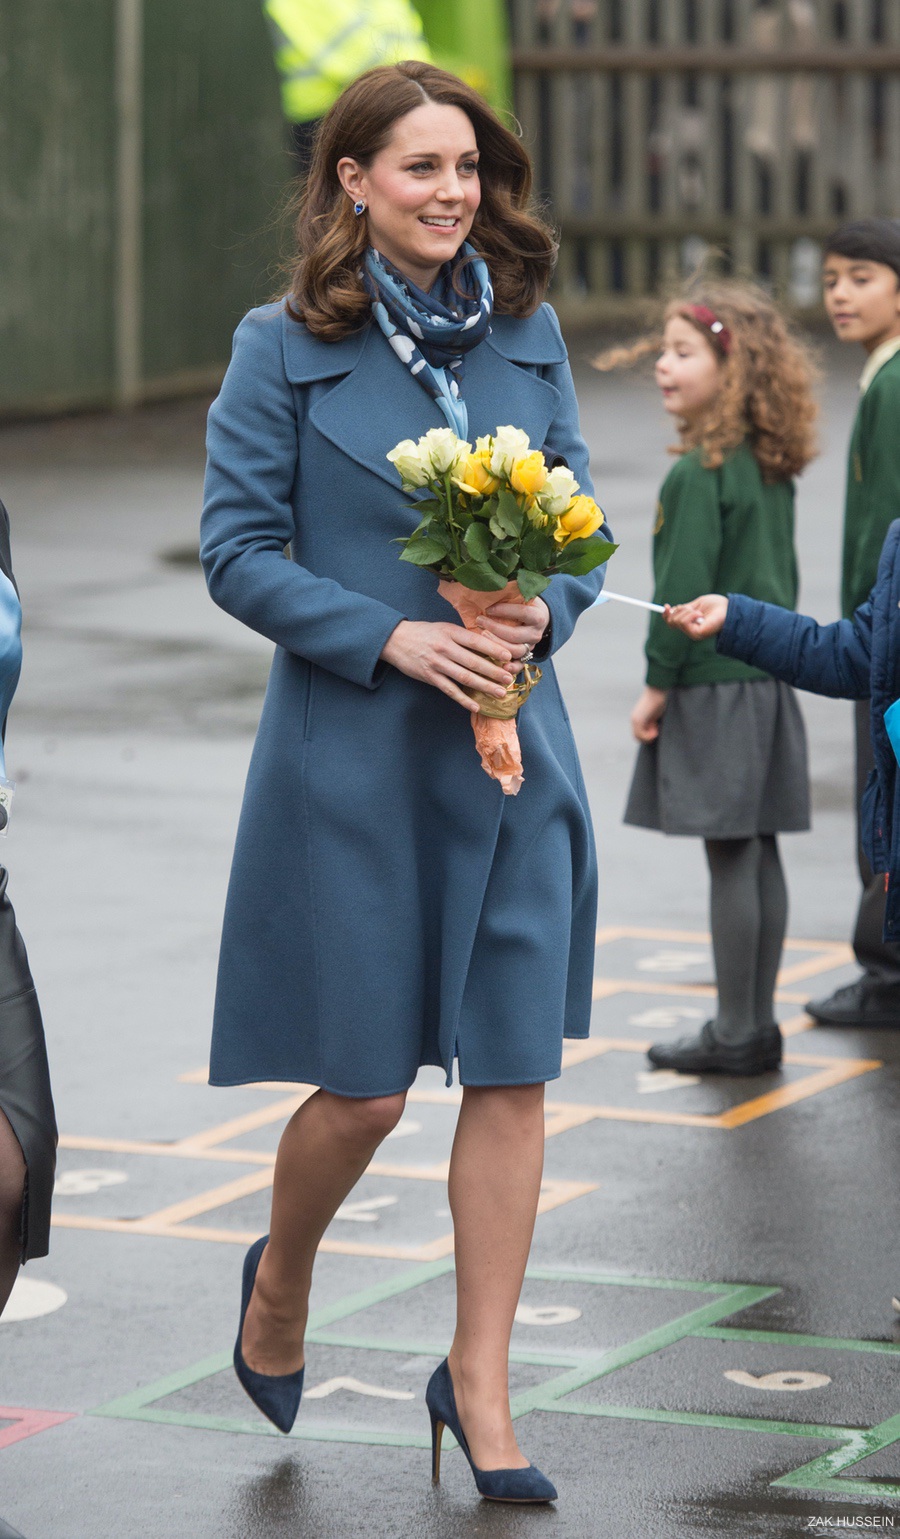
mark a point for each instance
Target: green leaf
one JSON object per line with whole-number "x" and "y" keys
{"x": 592, "y": 553}
{"x": 480, "y": 576}
{"x": 428, "y": 505}
{"x": 538, "y": 548}
{"x": 504, "y": 559}
{"x": 424, "y": 551}
{"x": 531, "y": 583}
{"x": 477, "y": 541}
{"x": 508, "y": 518}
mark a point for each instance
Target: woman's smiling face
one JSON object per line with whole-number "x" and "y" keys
{"x": 421, "y": 191}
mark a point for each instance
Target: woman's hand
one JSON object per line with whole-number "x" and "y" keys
{"x": 645, "y": 717}
{"x": 451, "y": 658}
{"x": 701, "y": 618}
{"x": 519, "y": 626}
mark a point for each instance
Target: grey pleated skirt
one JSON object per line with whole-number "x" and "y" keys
{"x": 730, "y": 762}
{"x": 25, "y": 1097}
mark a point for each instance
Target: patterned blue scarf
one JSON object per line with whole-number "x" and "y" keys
{"x": 431, "y": 333}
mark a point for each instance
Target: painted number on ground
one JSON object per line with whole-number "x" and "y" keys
{"x": 80, "y": 1183}
{"x": 365, "y": 1212}
{"x": 547, "y": 1314}
{"x": 651, "y": 1081}
{"x": 672, "y": 961}
{"x": 31, "y": 1298}
{"x": 786, "y": 1380}
{"x": 665, "y": 1017}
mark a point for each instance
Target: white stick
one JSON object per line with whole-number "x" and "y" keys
{"x": 622, "y": 599}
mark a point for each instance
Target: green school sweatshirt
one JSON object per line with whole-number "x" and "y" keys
{"x": 717, "y": 531}
{"x": 873, "y": 483}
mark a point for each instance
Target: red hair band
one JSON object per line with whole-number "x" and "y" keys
{"x": 708, "y": 319}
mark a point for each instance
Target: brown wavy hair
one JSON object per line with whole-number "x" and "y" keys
{"x": 767, "y": 381}
{"x": 325, "y": 288}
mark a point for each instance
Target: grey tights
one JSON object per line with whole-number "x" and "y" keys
{"x": 748, "y": 918}
{"x": 12, "y": 1195}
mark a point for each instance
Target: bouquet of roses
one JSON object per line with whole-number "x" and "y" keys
{"x": 497, "y": 524}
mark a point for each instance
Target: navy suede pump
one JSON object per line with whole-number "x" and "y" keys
{"x": 276, "y": 1395}
{"x": 526, "y": 1485}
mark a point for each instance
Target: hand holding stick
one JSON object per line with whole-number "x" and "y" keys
{"x": 699, "y": 619}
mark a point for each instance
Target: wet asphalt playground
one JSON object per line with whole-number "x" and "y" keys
{"x": 706, "y": 1345}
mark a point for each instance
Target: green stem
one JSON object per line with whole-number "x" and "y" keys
{"x": 454, "y": 532}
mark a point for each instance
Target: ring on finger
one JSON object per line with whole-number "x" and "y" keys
{"x": 528, "y": 655}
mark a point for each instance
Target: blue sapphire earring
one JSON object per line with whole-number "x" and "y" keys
{"x": 359, "y": 208}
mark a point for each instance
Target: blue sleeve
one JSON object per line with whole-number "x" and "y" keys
{"x": 825, "y": 659}
{"x": 568, "y": 597}
{"x": 248, "y": 519}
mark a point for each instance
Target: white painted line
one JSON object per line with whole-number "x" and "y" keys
{"x": 357, "y": 1387}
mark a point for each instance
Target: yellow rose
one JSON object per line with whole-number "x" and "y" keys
{"x": 474, "y": 474}
{"x": 527, "y": 475}
{"x": 581, "y": 519}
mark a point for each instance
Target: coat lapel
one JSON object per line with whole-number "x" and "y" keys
{"x": 375, "y": 401}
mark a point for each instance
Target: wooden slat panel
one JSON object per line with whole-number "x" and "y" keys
{"x": 759, "y": 138}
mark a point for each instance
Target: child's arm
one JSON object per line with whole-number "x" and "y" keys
{"x": 825, "y": 659}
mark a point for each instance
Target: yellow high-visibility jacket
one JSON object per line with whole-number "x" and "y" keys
{"x": 321, "y": 45}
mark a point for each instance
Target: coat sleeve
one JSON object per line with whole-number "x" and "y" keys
{"x": 248, "y": 519}
{"x": 825, "y": 659}
{"x": 687, "y": 544}
{"x": 568, "y": 597}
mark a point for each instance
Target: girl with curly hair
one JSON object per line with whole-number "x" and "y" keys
{"x": 723, "y": 747}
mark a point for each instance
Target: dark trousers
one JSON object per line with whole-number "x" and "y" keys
{"x": 878, "y": 959}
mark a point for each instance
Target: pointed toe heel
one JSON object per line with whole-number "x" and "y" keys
{"x": 276, "y": 1395}
{"x": 524, "y": 1485}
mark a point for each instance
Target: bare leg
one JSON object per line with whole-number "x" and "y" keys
{"x": 12, "y": 1194}
{"x": 495, "y": 1182}
{"x": 324, "y": 1150}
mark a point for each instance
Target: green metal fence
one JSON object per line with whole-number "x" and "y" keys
{"x": 141, "y": 157}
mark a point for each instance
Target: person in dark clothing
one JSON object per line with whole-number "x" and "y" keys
{"x": 27, "y": 1119}
{"x": 852, "y": 659}
{"x": 861, "y": 279}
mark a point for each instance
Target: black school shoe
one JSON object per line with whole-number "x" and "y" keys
{"x": 862, "y": 1003}
{"x": 704, "y": 1054}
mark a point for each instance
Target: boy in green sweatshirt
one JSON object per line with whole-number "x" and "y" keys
{"x": 861, "y": 278}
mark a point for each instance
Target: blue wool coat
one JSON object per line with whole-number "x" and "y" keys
{"x": 854, "y": 659}
{"x": 388, "y": 907}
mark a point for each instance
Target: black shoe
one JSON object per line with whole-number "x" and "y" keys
{"x": 863, "y": 1003}
{"x": 704, "y": 1054}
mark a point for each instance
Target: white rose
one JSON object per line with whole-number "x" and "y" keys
{"x": 439, "y": 447}
{"x": 509, "y": 443}
{"x": 557, "y": 491}
{"x": 407, "y": 460}
{"x": 463, "y": 450}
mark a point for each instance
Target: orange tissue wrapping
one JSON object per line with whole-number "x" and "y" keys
{"x": 494, "y": 726}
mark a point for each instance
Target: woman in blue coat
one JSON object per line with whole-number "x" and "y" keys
{"x": 388, "y": 906}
